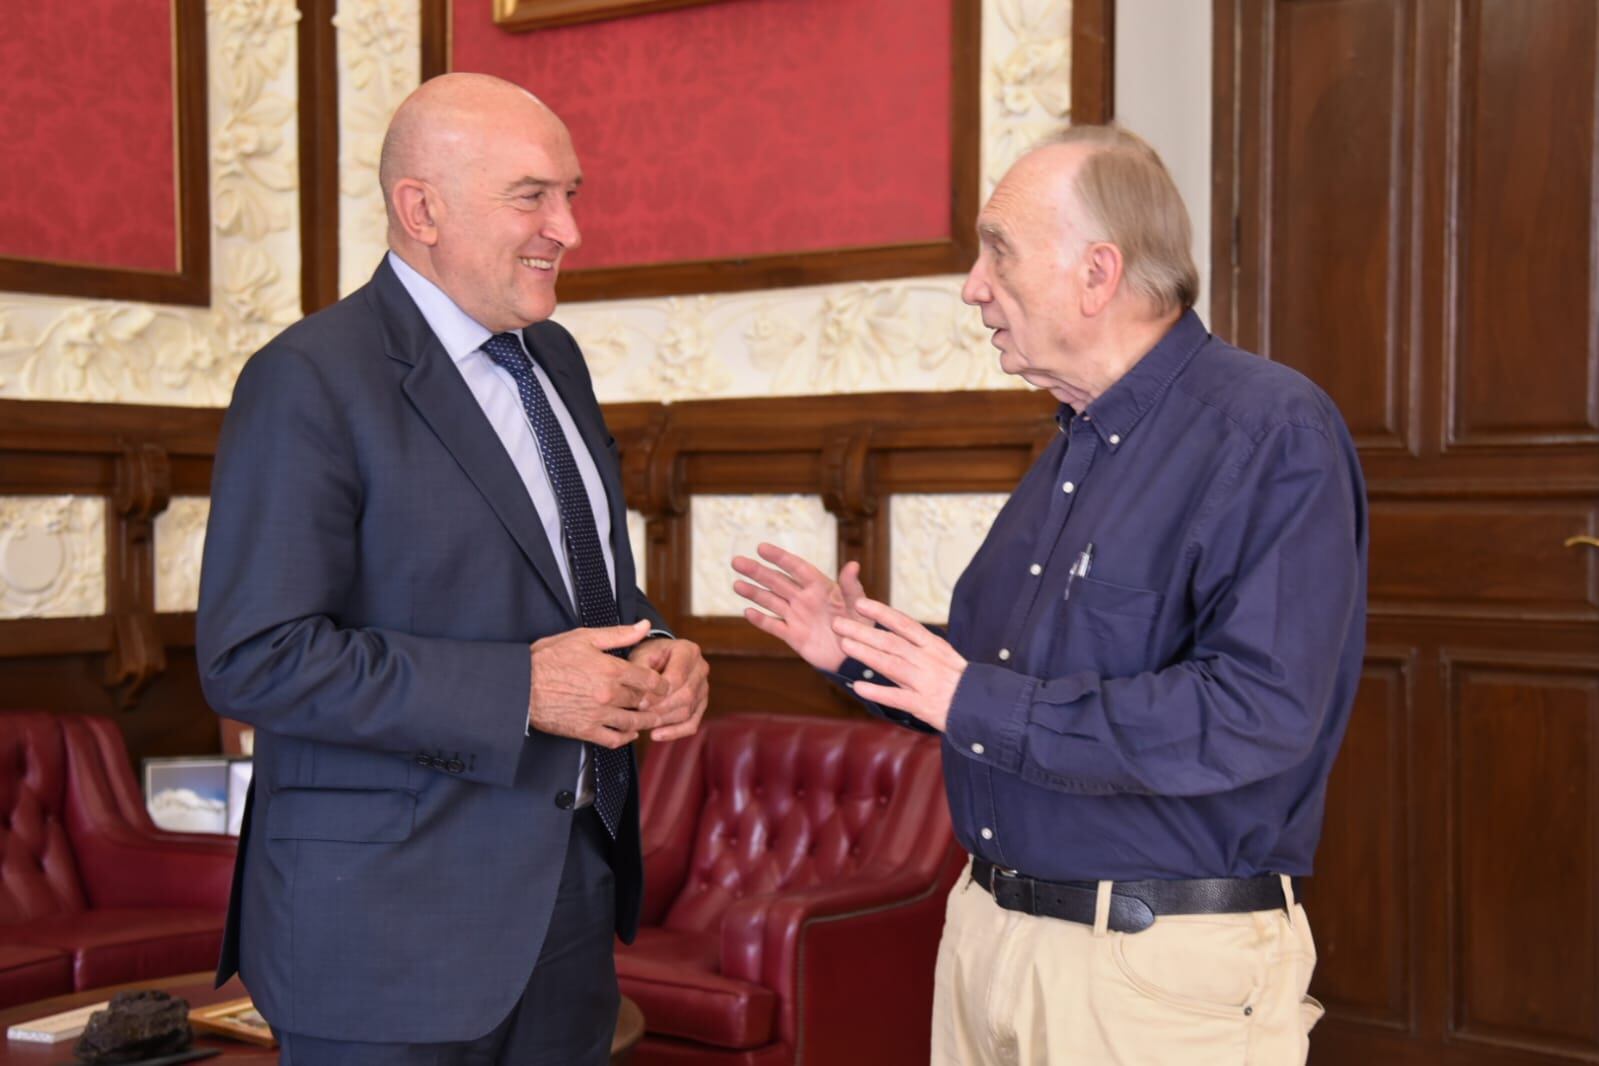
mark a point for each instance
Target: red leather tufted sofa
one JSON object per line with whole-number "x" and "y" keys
{"x": 796, "y": 871}
{"x": 91, "y": 893}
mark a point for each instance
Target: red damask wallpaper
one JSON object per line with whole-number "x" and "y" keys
{"x": 743, "y": 127}
{"x": 87, "y": 129}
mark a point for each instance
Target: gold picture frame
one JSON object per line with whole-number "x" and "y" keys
{"x": 520, "y": 15}
{"x": 235, "y": 1018}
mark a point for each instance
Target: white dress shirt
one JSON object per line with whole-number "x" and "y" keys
{"x": 496, "y": 392}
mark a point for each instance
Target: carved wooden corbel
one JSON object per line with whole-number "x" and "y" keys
{"x": 850, "y": 496}
{"x": 142, "y": 490}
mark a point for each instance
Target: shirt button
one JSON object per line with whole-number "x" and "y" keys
{"x": 1115, "y": 438}
{"x": 987, "y": 833}
{"x": 1035, "y": 569}
{"x": 1004, "y": 655}
{"x": 867, "y": 673}
{"x": 1068, "y": 488}
{"x": 977, "y": 749}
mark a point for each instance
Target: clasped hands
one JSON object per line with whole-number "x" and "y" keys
{"x": 580, "y": 690}
{"x": 826, "y": 621}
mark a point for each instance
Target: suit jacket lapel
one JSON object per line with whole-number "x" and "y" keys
{"x": 439, "y": 394}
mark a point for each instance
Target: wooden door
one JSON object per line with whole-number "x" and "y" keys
{"x": 1405, "y": 211}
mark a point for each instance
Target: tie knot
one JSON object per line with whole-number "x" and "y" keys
{"x": 506, "y": 350}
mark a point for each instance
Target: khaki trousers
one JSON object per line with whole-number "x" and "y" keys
{"x": 1013, "y": 989}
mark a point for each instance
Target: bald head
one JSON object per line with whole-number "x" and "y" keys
{"x": 478, "y": 178}
{"x": 445, "y": 125}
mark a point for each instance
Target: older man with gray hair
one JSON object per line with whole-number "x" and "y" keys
{"x": 1149, "y": 664}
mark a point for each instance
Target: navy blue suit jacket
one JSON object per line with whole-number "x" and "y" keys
{"x": 374, "y": 573}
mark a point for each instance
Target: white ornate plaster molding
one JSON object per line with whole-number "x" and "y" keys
{"x": 724, "y": 526}
{"x": 934, "y": 536}
{"x": 1027, "y": 78}
{"x": 54, "y": 348}
{"x": 179, "y": 541}
{"x": 380, "y": 62}
{"x": 52, "y": 556}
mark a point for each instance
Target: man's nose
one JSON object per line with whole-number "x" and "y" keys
{"x": 560, "y": 225}
{"x": 976, "y": 290}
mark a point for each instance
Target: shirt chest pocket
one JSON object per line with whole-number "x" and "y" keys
{"x": 1103, "y": 627}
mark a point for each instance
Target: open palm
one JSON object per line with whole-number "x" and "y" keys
{"x": 799, "y": 603}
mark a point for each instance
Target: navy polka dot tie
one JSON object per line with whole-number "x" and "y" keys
{"x": 596, "y": 606}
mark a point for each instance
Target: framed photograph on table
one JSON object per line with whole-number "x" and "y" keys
{"x": 188, "y": 794}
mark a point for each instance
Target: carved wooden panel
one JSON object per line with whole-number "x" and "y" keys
{"x": 1525, "y": 851}
{"x": 1358, "y": 898}
{"x": 1404, "y": 210}
{"x": 1524, "y": 367}
{"x": 1484, "y": 557}
{"x": 1341, "y": 98}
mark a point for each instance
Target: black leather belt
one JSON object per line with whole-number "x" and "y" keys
{"x": 1133, "y": 904}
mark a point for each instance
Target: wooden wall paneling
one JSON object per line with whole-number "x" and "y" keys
{"x": 853, "y": 451}
{"x": 1226, "y": 165}
{"x": 1525, "y": 756}
{"x": 319, "y": 154}
{"x": 143, "y": 490}
{"x": 1511, "y": 551}
{"x": 1337, "y": 277}
{"x": 191, "y": 283}
{"x": 1093, "y": 66}
{"x": 1366, "y": 944}
{"x": 1524, "y": 362}
{"x": 134, "y": 457}
{"x": 1453, "y": 157}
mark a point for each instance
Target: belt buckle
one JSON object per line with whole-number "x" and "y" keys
{"x": 994, "y": 872}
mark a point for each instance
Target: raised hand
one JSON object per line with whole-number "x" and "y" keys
{"x": 800, "y": 603}
{"x": 922, "y": 663}
{"x": 580, "y": 691}
{"x": 687, "y": 676}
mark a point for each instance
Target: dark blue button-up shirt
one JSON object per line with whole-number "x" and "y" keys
{"x": 1174, "y": 711}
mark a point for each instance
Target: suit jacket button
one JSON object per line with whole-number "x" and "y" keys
{"x": 564, "y": 799}
{"x": 455, "y": 766}
{"x": 425, "y": 760}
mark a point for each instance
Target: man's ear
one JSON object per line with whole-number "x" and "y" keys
{"x": 1103, "y": 266}
{"x": 416, "y": 206}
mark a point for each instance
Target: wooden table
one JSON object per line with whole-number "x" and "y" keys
{"x": 196, "y": 988}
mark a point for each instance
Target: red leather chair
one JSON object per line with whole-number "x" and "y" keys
{"x": 91, "y": 893}
{"x": 795, "y": 877}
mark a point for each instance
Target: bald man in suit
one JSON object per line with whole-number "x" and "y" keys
{"x": 418, "y": 589}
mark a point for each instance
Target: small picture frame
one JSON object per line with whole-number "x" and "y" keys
{"x": 235, "y": 1018}
{"x": 187, "y": 794}
{"x": 517, "y": 16}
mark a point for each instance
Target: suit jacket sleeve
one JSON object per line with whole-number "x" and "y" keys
{"x": 281, "y": 561}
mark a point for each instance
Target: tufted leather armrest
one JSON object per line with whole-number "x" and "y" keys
{"x": 125, "y": 861}
{"x": 761, "y": 935}
{"x": 673, "y": 800}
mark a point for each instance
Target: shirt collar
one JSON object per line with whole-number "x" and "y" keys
{"x": 1118, "y": 410}
{"x": 459, "y": 332}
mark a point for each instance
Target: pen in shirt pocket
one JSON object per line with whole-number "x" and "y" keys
{"x": 1085, "y": 559}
